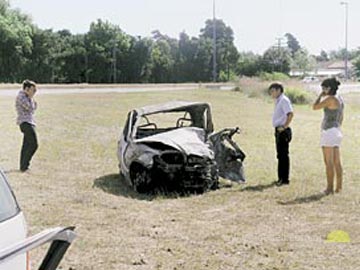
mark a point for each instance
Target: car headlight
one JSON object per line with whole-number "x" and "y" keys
{"x": 195, "y": 159}
{"x": 172, "y": 158}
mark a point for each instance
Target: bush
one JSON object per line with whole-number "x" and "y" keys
{"x": 251, "y": 87}
{"x": 274, "y": 76}
{"x": 257, "y": 88}
{"x": 298, "y": 95}
{"x": 225, "y": 77}
{"x": 237, "y": 89}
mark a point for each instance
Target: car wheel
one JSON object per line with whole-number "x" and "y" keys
{"x": 141, "y": 179}
{"x": 215, "y": 185}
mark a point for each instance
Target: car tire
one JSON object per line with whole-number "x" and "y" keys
{"x": 141, "y": 179}
{"x": 215, "y": 185}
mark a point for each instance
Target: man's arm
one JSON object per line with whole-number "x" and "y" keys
{"x": 27, "y": 103}
{"x": 290, "y": 116}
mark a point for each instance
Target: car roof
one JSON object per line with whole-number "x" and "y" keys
{"x": 169, "y": 106}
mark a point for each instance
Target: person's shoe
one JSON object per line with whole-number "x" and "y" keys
{"x": 328, "y": 192}
{"x": 25, "y": 170}
{"x": 281, "y": 183}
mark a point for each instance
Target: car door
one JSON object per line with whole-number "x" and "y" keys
{"x": 228, "y": 155}
{"x": 124, "y": 143}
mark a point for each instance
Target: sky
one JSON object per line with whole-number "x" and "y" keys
{"x": 316, "y": 24}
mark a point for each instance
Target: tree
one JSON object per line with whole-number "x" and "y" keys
{"x": 203, "y": 60}
{"x": 4, "y": 6}
{"x": 42, "y": 56}
{"x": 227, "y": 55}
{"x": 249, "y": 64}
{"x": 186, "y": 68}
{"x": 356, "y": 63}
{"x": 162, "y": 61}
{"x": 73, "y": 59}
{"x": 276, "y": 59}
{"x": 106, "y": 45}
{"x": 303, "y": 61}
{"x": 323, "y": 57}
{"x": 16, "y": 31}
{"x": 292, "y": 44}
{"x": 138, "y": 60}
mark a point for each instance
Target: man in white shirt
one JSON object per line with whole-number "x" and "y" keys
{"x": 283, "y": 114}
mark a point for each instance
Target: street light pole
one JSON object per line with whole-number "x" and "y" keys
{"x": 346, "y": 4}
{"x": 214, "y": 43}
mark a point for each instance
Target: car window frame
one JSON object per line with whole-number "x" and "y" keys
{"x": 126, "y": 127}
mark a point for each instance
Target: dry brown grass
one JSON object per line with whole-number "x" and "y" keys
{"x": 74, "y": 181}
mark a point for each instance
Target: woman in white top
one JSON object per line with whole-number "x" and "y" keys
{"x": 331, "y": 135}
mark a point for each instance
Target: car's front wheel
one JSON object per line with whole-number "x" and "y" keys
{"x": 140, "y": 178}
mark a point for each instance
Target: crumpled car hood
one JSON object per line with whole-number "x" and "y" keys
{"x": 188, "y": 140}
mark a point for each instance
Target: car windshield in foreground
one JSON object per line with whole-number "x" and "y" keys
{"x": 8, "y": 205}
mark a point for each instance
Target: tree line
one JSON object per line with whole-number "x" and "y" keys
{"x": 106, "y": 54}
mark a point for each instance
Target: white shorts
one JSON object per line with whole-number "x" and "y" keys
{"x": 331, "y": 137}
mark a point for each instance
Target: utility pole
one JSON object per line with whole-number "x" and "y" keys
{"x": 214, "y": 43}
{"x": 346, "y": 4}
{"x": 86, "y": 68}
{"x": 279, "y": 45}
{"x": 114, "y": 63}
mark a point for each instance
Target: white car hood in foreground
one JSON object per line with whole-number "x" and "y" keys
{"x": 188, "y": 140}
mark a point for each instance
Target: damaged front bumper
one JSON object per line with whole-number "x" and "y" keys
{"x": 174, "y": 169}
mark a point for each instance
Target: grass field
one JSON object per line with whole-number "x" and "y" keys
{"x": 74, "y": 181}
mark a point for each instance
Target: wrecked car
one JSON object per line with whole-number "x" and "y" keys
{"x": 172, "y": 146}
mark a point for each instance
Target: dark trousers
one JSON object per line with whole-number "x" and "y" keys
{"x": 282, "y": 149}
{"x": 29, "y": 145}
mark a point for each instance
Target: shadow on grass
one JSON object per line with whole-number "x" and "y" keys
{"x": 115, "y": 184}
{"x": 258, "y": 188}
{"x": 12, "y": 171}
{"x": 307, "y": 199}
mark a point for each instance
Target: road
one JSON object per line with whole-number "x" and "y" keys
{"x": 58, "y": 90}
{"x": 343, "y": 88}
{"x": 68, "y": 89}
